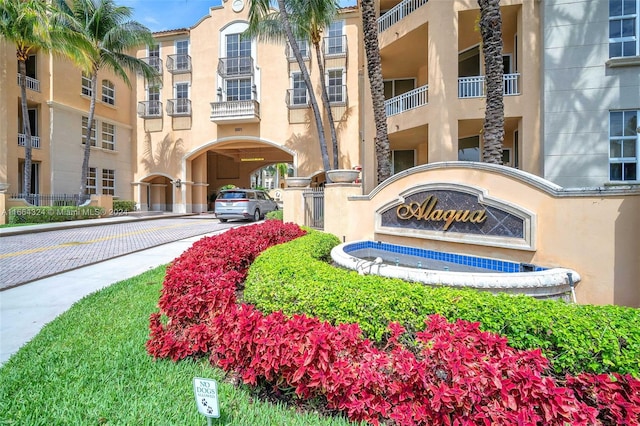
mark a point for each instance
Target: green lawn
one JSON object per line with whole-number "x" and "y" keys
{"x": 90, "y": 367}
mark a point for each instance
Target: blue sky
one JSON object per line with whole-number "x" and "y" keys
{"x": 160, "y": 15}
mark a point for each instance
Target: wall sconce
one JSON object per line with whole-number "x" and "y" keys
{"x": 177, "y": 183}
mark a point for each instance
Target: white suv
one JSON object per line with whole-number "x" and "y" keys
{"x": 251, "y": 204}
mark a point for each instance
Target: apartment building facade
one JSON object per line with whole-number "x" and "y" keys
{"x": 58, "y": 97}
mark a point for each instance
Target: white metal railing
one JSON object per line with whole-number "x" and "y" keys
{"x": 35, "y": 140}
{"x": 474, "y": 87}
{"x": 32, "y": 83}
{"x": 235, "y": 109}
{"x": 412, "y": 99}
{"x": 398, "y": 12}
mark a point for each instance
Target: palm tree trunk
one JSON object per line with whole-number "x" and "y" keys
{"x": 374, "y": 67}
{"x": 26, "y": 124}
{"x": 87, "y": 140}
{"x": 307, "y": 80}
{"x": 493, "y": 129}
{"x": 327, "y": 105}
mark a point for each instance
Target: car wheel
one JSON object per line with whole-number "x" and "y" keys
{"x": 256, "y": 215}
{"x": 223, "y": 220}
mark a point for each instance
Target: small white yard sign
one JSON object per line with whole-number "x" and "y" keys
{"x": 206, "y": 392}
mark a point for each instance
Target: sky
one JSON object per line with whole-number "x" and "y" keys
{"x": 160, "y": 15}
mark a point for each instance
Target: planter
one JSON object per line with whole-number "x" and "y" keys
{"x": 343, "y": 175}
{"x": 298, "y": 182}
{"x": 4, "y": 187}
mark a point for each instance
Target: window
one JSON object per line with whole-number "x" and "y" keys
{"x": 182, "y": 55}
{"x": 303, "y": 45}
{"x": 87, "y": 89}
{"x": 108, "y": 136}
{"x": 469, "y": 149}
{"x": 108, "y": 92}
{"x": 153, "y": 97}
{"x": 299, "y": 90}
{"x": 85, "y": 122}
{"x": 624, "y": 145}
{"x": 402, "y": 160}
{"x": 335, "y": 42}
{"x": 91, "y": 181}
{"x": 239, "y": 90}
{"x": 335, "y": 87}
{"x": 154, "y": 57}
{"x": 238, "y": 54}
{"x": 182, "y": 98}
{"x": 108, "y": 181}
{"x": 623, "y": 28}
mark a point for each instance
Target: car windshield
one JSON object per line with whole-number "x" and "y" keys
{"x": 232, "y": 195}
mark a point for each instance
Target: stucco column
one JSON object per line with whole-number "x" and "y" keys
{"x": 158, "y": 200}
{"x": 338, "y": 217}
{"x": 293, "y": 205}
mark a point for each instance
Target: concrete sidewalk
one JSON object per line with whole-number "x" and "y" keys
{"x": 26, "y": 309}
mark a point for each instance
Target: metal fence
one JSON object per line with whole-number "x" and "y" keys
{"x": 314, "y": 208}
{"x": 52, "y": 200}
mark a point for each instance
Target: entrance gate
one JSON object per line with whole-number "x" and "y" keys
{"x": 314, "y": 208}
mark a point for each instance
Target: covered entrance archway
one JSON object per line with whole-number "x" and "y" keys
{"x": 229, "y": 161}
{"x": 156, "y": 193}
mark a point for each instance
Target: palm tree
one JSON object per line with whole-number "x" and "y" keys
{"x": 295, "y": 20}
{"x": 112, "y": 34}
{"x": 374, "y": 68}
{"x": 32, "y": 25}
{"x": 491, "y": 31}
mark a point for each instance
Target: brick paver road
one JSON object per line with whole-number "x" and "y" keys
{"x": 28, "y": 257}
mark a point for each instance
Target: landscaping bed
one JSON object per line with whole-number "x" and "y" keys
{"x": 440, "y": 373}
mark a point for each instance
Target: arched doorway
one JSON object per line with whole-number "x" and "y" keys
{"x": 156, "y": 193}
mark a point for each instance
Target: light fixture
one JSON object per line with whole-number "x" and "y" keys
{"x": 177, "y": 183}
{"x": 252, "y": 159}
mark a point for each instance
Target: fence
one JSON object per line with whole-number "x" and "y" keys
{"x": 314, "y": 208}
{"x": 52, "y": 200}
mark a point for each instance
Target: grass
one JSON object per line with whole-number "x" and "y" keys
{"x": 89, "y": 367}
{"x": 13, "y": 225}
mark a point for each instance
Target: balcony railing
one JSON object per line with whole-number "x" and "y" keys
{"x": 407, "y": 101}
{"x": 179, "y": 107}
{"x": 335, "y": 46}
{"x": 32, "y": 83}
{"x": 474, "y": 87}
{"x": 304, "y": 50}
{"x": 235, "y": 66}
{"x": 235, "y": 111}
{"x": 398, "y": 12}
{"x": 177, "y": 64}
{"x": 35, "y": 140}
{"x": 297, "y": 98}
{"x": 150, "y": 109}
{"x": 154, "y": 62}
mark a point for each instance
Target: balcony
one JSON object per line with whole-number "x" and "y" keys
{"x": 304, "y": 50}
{"x": 179, "y": 64}
{"x": 235, "y": 112}
{"x": 407, "y": 101}
{"x": 150, "y": 109}
{"x": 474, "y": 87}
{"x": 179, "y": 107}
{"x": 32, "y": 83}
{"x": 398, "y": 12}
{"x": 154, "y": 62}
{"x": 297, "y": 98}
{"x": 334, "y": 46}
{"x": 237, "y": 66}
{"x": 35, "y": 140}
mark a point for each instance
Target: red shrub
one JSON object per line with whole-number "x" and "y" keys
{"x": 461, "y": 376}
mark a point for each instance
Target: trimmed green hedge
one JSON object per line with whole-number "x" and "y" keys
{"x": 296, "y": 278}
{"x": 52, "y": 214}
{"x": 121, "y": 206}
{"x": 276, "y": 214}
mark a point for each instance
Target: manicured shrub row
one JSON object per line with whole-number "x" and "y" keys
{"x": 458, "y": 375}
{"x": 53, "y": 214}
{"x": 276, "y": 214}
{"x": 120, "y": 206}
{"x": 296, "y": 278}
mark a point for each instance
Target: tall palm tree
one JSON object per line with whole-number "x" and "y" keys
{"x": 112, "y": 35}
{"x": 32, "y": 25}
{"x": 299, "y": 20}
{"x": 374, "y": 68}
{"x": 493, "y": 128}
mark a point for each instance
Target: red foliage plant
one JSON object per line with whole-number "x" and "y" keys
{"x": 460, "y": 375}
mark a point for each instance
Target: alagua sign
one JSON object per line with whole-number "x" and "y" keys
{"x": 427, "y": 211}
{"x": 452, "y": 211}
